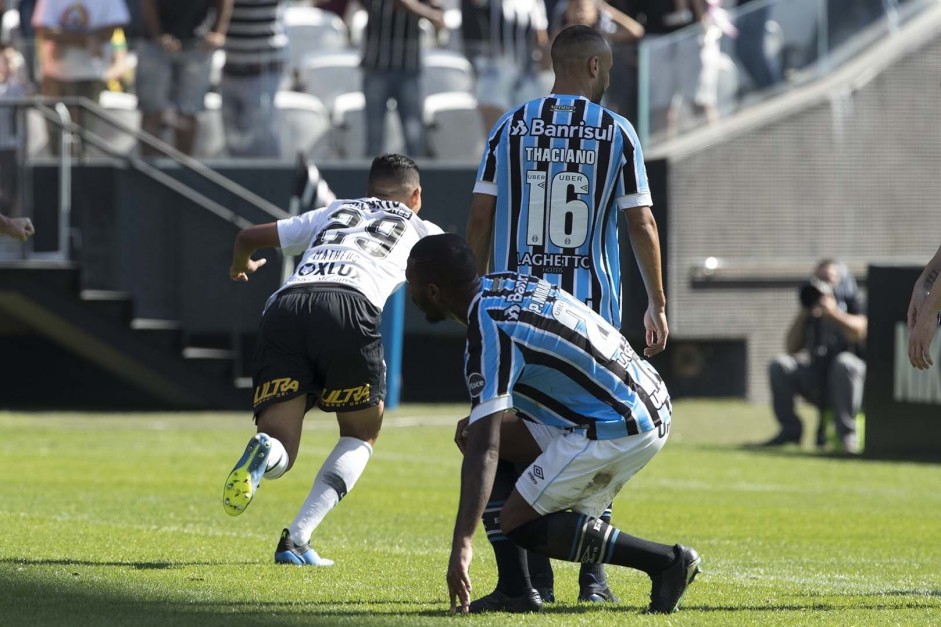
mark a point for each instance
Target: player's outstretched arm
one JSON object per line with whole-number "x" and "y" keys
{"x": 247, "y": 242}
{"x": 481, "y": 453}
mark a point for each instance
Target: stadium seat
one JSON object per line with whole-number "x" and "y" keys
{"x": 210, "y": 130}
{"x": 10, "y": 25}
{"x": 349, "y": 127}
{"x": 215, "y": 71}
{"x": 328, "y": 75}
{"x": 310, "y": 29}
{"x": 446, "y": 71}
{"x": 37, "y": 134}
{"x": 303, "y": 121}
{"x": 453, "y": 128}
{"x": 123, "y": 107}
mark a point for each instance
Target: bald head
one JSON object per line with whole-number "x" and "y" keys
{"x": 575, "y": 45}
{"x": 581, "y": 60}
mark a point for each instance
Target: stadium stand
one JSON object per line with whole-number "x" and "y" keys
{"x": 349, "y": 127}
{"x": 124, "y": 107}
{"x": 446, "y": 71}
{"x": 303, "y": 121}
{"x": 329, "y": 74}
{"x": 210, "y": 132}
{"x": 453, "y": 128}
{"x": 308, "y": 30}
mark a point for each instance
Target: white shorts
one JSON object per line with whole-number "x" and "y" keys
{"x": 583, "y": 475}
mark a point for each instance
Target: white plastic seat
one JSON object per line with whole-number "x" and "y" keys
{"x": 349, "y": 128}
{"x": 328, "y": 75}
{"x": 210, "y": 129}
{"x": 303, "y": 121}
{"x": 309, "y": 29}
{"x": 446, "y": 71}
{"x": 453, "y": 128}
{"x": 122, "y": 106}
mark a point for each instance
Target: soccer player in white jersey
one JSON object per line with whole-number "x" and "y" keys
{"x": 590, "y": 413}
{"x": 319, "y": 343}
{"x": 556, "y": 173}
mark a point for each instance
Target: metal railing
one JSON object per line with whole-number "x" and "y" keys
{"x": 692, "y": 77}
{"x": 56, "y": 111}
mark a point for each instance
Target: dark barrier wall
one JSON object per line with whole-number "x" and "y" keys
{"x": 902, "y": 404}
{"x": 136, "y": 236}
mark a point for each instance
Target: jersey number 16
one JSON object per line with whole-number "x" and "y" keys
{"x": 567, "y": 217}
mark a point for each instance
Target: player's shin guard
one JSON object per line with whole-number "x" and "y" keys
{"x": 577, "y": 538}
{"x": 336, "y": 478}
{"x": 592, "y": 575}
{"x": 512, "y": 574}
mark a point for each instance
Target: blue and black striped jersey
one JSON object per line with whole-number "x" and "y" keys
{"x": 560, "y": 167}
{"x": 536, "y": 348}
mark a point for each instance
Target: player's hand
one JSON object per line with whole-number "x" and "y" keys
{"x": 237, "y": 273}
{"x": 655, "y": 324}
{"x": 459, "y": 584}
{"x": 919, "y": 342}
{"x": 460, "y": 433}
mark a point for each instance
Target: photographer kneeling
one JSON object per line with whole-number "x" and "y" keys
{"x": 831, "y": 327}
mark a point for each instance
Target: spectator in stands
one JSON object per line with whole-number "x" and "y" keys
{"x": 18, "y": 228}
{"x": 253, "y": 72}
{"x": 674, "y": 65}
{"x": 174, "y": 63}
{"x": 25, "y": 41}
{"x": 506, "y": 41}
{"x": 822, "y": 363}
{"x": 750, "y": 45}
{"x": 12, "y": 85}
{"x": 924, "y": 314}
{"x": 75, "y": 48}
{"x": 392, "y": 69}
{"x": 622, "y": 33}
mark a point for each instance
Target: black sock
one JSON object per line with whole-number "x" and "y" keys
{"x": 512, "y": 574}
{"x": 577, "y": 538}
{"x": 540, "y": 569}
{"x": 592, "y": 574}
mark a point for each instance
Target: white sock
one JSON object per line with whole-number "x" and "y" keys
{"x": 278, "y": 460}
{"x": 336, "y": 478}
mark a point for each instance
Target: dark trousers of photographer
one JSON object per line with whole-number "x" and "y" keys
{"x": 843, "y": 389}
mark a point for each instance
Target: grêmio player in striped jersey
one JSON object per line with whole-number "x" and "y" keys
{"x": 555, "y": 174}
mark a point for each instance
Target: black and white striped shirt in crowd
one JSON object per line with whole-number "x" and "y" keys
{"x": 392, "y": 37}
{"x": 502, "y": 28}
{"x": 255, "y": 38}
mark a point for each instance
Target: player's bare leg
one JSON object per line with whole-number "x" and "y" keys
{"x": 270, "y": 453}
{"x": 336, "y": 477}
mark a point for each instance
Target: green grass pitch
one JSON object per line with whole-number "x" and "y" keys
{"x": 116, "y": 520}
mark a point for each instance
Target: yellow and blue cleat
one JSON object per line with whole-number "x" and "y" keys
{"x": 242, "y": 482}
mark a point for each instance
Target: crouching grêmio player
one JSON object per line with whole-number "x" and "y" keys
{"x": 589, "y": 414}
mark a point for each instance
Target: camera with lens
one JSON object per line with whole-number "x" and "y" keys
{"x": 811, "y": 291}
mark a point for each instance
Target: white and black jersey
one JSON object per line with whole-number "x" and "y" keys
{"x": 255, "y": 37}
{"x": 362, "y": 244}
{"x": 502, "y": 28}
{"x": 392, "y": 38}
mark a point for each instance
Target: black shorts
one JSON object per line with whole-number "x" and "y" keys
{"x": 323, "y": 342}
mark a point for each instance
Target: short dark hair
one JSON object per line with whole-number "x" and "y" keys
{"x": 396, "y": 169}
{"x": 445, "y": 259}
{"x": 576, "y": 42}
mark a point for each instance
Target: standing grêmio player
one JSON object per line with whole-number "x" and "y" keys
{"x": 554, "y": 174}
{"x": 590, "y": 414}
{"x": 319, "y": 342}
